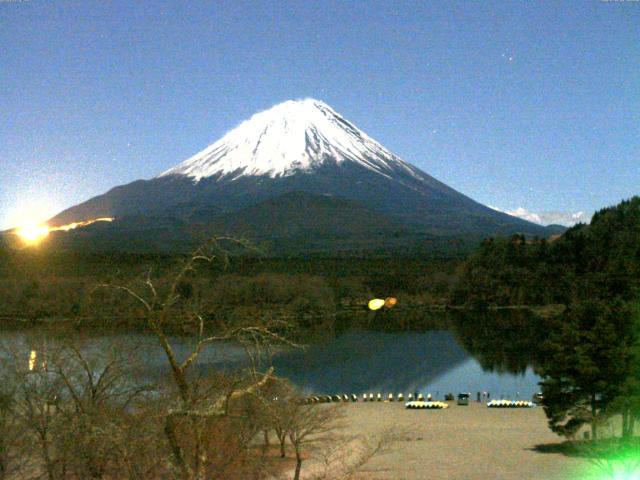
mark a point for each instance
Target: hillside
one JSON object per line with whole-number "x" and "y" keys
{"x": 602, "y": 257}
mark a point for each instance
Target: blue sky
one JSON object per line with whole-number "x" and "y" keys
{"x": 516, "y": 104}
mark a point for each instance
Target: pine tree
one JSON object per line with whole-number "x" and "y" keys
{"x": 589, "y": 361}
{"x": 627, "y": 404}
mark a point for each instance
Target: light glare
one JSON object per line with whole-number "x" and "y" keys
{"x": 376, "y": 304}
{"x": 32, "y": 235}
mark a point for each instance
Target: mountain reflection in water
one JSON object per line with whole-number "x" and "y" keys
{"x": 482, "y": 352}
{"x": 427, "y": 362}
{"x": 362, "y": 361}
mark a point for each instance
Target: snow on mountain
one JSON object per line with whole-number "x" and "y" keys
{"x": 291, "y": 137}
{"x": 296, "y": 159}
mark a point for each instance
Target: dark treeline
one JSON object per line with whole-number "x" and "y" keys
{"x": 589, "y": 355}
{"x": 36, "y": 285}
{"x": 602, "y": 259}
{"x": 41, "y": 262}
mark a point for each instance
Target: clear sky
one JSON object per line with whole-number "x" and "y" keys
{"x": 527, "y": 104}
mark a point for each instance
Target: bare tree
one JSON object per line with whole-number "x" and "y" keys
{"x": 316, "y": 432}
{"x": 347, "y": 456}
{"x": 310, "y": 424}
{"x": 187, "y": 423}
{"x": 278, "y": 402}
{"x": 12, "y": 444}
{"x": 36, "y": 412}
{"x": 98, "y": 391}
{"x": 71, "y": 406}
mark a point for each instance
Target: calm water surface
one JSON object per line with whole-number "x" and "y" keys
{"x": 354, "y": 362}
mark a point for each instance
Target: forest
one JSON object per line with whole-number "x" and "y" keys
{"x": 578, "y": 326}
{"x": 40, "y": 287}
{"x": 602, "y": 259}
{"x": 588, "y": 356}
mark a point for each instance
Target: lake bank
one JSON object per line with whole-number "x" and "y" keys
{"x": 473, "y": 442}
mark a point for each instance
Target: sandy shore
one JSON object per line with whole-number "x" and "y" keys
{"x": 473, "y": 442}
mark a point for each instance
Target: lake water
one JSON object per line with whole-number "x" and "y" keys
{"x": 430, "y": 362}
{"x": 354, "y": 362}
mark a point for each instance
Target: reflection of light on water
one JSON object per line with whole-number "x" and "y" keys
{"x": 32, "y": 234}
{"x": 33, "y": 356}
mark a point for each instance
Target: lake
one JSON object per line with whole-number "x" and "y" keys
{"x": 356, "y": 361}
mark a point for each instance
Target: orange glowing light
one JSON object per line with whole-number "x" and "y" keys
{"x": 74, "y": 225}
{"x": 32, "y": 235}
{"x": 390, "y": 302}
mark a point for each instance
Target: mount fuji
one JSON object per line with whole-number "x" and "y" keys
{"x": 297, "y": 176}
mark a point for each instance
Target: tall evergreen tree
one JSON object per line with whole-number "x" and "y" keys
{"x": 627, "y": 404}
{"x": 588, "y": 363}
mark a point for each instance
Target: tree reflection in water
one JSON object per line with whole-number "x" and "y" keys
{"x": 503, "y": 341}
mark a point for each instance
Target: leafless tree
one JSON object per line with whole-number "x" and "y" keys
{"x": 187, "y": 423}
{"x": 346, "y": 456}
{"x": 71, "y": 407}
{"x": 308, "y": 425}
{"x": 98, "y": 391}
{"x": 316, "y": 433}
{"x": 12, "y": 443}
{"x": 36, "y": 412}
{"x": 277, "y": 402}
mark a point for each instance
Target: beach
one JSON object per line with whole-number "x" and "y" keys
{"x": 462, "y": 442}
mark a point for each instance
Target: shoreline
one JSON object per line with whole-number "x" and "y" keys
{"x": 462, "y": 442}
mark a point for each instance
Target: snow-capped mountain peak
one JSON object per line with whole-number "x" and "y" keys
{"x": 296, "y": 174}
{"x": 293, "y": 136}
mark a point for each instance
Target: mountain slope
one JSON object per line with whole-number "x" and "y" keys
{"x": 295, "y": 222}
{"x": 299, "y": 146}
